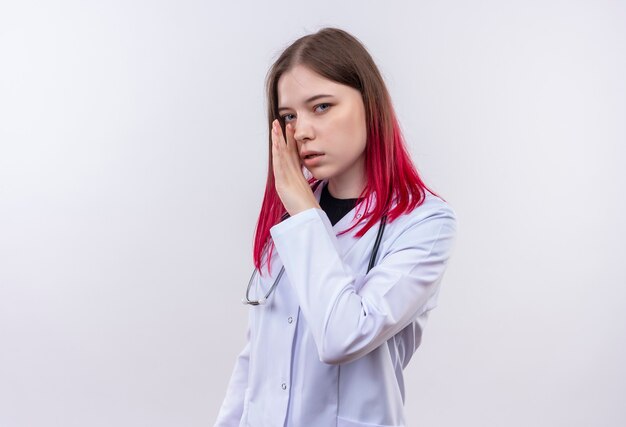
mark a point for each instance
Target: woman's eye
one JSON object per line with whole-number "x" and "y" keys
{"x": 323, "y": 104}
{"x": 285, "y": 117}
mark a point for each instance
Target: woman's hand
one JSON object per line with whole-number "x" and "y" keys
{"x": 291, "y": 185}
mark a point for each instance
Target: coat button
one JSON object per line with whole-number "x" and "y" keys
{"x": 290, "y": 319}
{"x": 284, "y": 386}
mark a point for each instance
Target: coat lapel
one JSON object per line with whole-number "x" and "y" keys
{"x": 348, "y": 242}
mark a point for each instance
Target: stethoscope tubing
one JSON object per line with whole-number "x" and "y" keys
{"x": 246, "y": 299}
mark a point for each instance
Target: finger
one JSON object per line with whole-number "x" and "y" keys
{"x": 275, "y": 135}
{"x": 278, "y": 133}
{"x": 291, "y": 149}
{"x": 277, "y": 147}
{"x": 283, "y": 143}
{"x": 292, "y": 146}
{"x": 290, "y": 139}
{"x": 275, "y": 159}
{"x": 289, "y": 132}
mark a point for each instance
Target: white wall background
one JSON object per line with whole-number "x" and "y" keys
{"x": 132, "y": 165}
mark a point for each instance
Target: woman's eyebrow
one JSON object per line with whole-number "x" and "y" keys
{"x": 313, "y": 98}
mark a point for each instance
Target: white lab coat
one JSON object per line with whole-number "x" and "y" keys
{"x": 329, "y": 347}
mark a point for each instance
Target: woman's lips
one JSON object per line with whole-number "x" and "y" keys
{"x": 312, "y": 161}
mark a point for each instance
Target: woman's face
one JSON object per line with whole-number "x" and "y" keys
{"x": 333, "y": 125}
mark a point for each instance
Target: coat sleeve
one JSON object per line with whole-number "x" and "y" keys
{"x": 347, "y": 324}
{"x": 231, "y": 410}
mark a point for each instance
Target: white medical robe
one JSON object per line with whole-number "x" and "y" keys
{"x": 329, "y": 347}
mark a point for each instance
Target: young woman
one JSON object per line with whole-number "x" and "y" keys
{"x": 328, "y": 340}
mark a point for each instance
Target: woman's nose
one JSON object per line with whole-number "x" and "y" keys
{"x": 302, "y": 130}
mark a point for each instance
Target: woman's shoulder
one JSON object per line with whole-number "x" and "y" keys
{"x": 431, "y": 208}
{"x": 433, "y": 221}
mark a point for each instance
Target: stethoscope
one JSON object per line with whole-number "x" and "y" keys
{"x": 263, "y": 300}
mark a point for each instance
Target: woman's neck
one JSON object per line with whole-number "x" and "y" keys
{"x": 339, "y": 191}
